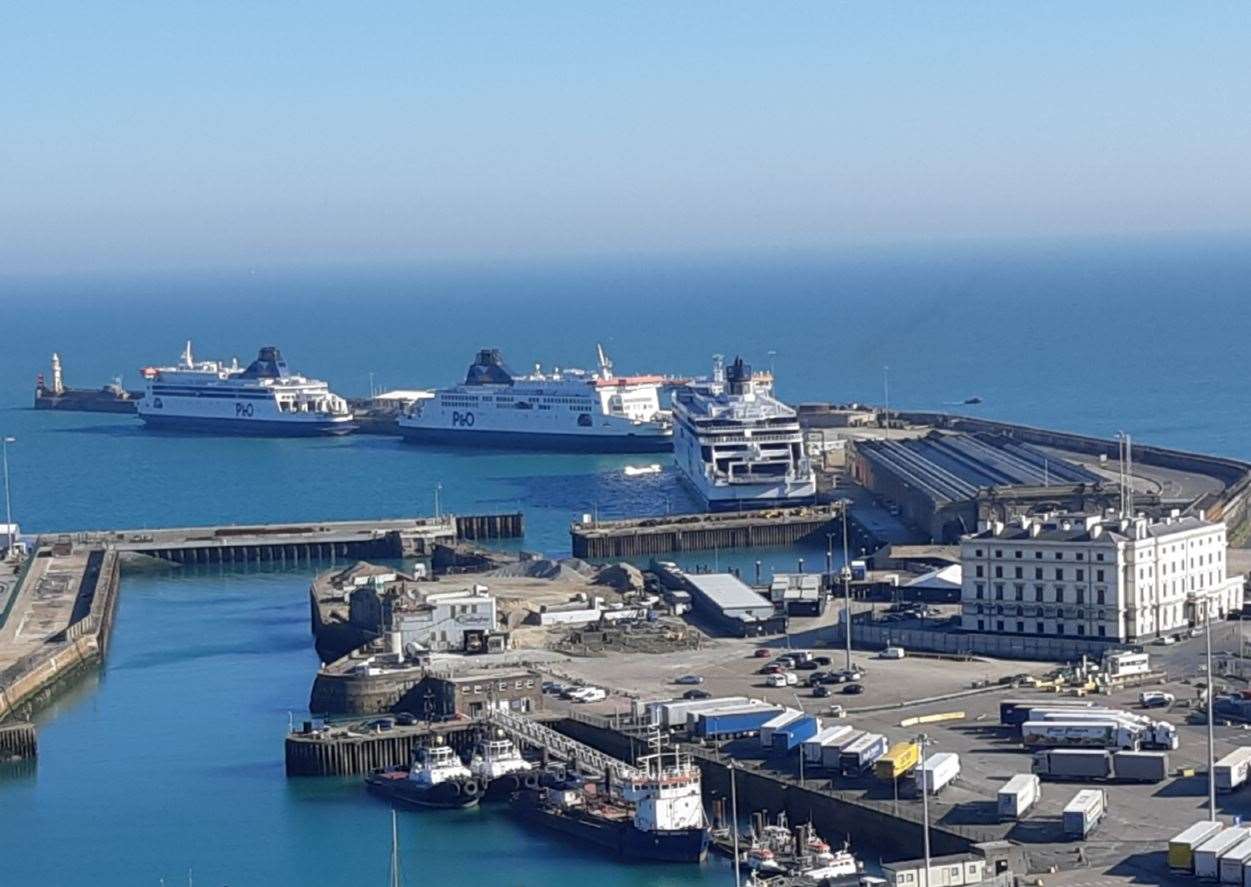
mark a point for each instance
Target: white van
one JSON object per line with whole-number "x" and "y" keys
{"x": 776, "y": 680}
{"x": 588, "y": 694}
{"x": 892, "y": 653}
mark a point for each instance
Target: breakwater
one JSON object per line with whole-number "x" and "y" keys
{"x": 640, "y": 537}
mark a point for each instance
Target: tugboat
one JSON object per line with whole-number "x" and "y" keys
{"x": 500, "y": 769}
{"x": 437, "y": 778}
{"x": 658, "y": 816}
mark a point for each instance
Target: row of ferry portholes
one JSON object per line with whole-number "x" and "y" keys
{"x": 466, "y": 419}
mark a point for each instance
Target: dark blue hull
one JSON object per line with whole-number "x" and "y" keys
{"x": 519, "y": 440}
{"x": 248, "y": 427}
{"x": 619, "y": 836}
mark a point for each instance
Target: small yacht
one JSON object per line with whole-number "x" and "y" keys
{"x": 264, "y": 399}
{"x": 437, "y": 778}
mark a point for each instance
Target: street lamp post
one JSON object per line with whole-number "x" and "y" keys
{"x": 845, "y": 574}
{"x": 8, "y": 505}
{"x": 923, "y": 741}
{"x": 1207, "y": 633}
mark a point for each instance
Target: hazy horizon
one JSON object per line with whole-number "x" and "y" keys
{"x": 234, "y": 135}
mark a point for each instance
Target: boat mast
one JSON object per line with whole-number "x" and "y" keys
{"x": 394, "y": 880}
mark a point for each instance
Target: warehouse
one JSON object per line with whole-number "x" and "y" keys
{"x": 731, "y": 606}
{"x": 942, "y": 480}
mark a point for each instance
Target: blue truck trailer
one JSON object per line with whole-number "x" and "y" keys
{"x": 731, "y": 722}
{"x": 794, "y": 733}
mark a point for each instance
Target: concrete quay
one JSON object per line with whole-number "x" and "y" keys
{"x": 296, "y": 543}
{"x": 639, "y": 537}
{"x": 55, "y": 622}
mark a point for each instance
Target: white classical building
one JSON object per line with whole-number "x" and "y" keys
{"x": 1098, "y": 576}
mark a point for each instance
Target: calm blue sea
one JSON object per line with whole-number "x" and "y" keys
{"x": 172, "y": 759}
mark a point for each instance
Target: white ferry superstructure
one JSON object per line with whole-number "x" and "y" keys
{"x": 737, "y": 445}
{"x": 567, "y": 409}
{"x": 263, "y": 399}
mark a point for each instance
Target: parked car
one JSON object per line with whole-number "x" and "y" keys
{"x": 836, "y": 711}
{"x": 784, "y": 661}
{"x": 763, "y": 653}
{"x": 381, "y": 724}
{"x": 771, "y": 668}
{"x": 821, "y": 691}
{"x": 776, "y": 680}
{"x": 1155, "y": 698}
{"x": 570, "y": 690}
{"x": 850, "y": 676}
{"x": 406, "y": 719}
{"x": 689, "y": 679}
{"x": 588, "y": 694}
{"x": 821, "y": 660}
{"x": 792, "y": 679}
{"x": 807, "y": 665}
{"x": 853, "y": 689}
{"x": 696, "y": 694}
{"x": 892, "y": 653}
{"x": 553, "y": 687}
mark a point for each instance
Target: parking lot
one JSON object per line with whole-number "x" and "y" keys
{"x": 1129, "y": 844}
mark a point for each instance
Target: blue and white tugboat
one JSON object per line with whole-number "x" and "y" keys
{"x": 656, "y": 816}
{"x": 565, "y": 409}
{"x": 264, "y": 399}
{"x": 437, "y": 778}
{"x": 500, "y": 769}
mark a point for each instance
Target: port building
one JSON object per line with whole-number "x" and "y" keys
{"x": 731, "y": 605}
{"x": 1098, "y": 576}
{"x": 944, "y": 483}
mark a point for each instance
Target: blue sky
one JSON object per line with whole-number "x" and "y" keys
{"x": 168, "y": 134}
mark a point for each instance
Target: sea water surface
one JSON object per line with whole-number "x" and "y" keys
{"x": 171, "y": 758}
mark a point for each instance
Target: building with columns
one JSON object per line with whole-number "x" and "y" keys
{"x": 1096, "y": 576}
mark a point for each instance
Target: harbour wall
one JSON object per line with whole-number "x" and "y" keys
{"x": 32, "y": 681}
{"x": 693, "y": 532}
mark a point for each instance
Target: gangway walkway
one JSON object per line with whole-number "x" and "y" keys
{"x": 522, "y": 729}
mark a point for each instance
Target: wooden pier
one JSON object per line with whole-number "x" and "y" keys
{"x": 356, "y": 749}
{"x": 690, "y": 532}
{"x": 17, "y": 741}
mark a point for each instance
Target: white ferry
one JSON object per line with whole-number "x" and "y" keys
{"x": 737, "y": 445}
{"x": 566, "y": 409}
{"x": 266, "y": 398}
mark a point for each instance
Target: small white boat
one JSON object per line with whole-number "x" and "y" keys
{"x": 641, "y": 470}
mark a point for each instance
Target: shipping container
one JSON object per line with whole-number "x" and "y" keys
{"x": 675, "y": 714}
{"x": 937, "y": 772}
{"x": 898, "y": 761}
{"x": 860, "y": 754}
{"x": 1083, "y": 813}
{"x": 726, "y": 723}
{"x": 776, "y": 722}
{"x": 1231, "y": 770}
{"x": 1208, "y": 854}
{"x": 832, "y": 752}
{"x": 1017, "y": 795}
{"x": 1234, "y": 861}
{"x": 1181, "y": 848}
{"x": 790, "y": 736}
{"x": 1078, "y": 734}
{"x": 1073, "y": 763}
{"x": 1014, "y": 712}
{"x": 812, "y": 746}
{"x": 1140, "y": 766}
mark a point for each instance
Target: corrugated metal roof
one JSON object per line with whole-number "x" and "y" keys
{"x": 727, "y": 591}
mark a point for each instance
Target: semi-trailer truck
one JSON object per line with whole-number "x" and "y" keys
{"x": 1017, "y": 795}
{"x": 1079, "y": 734}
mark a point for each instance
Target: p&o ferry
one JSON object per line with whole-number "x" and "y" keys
{"x": 264, "y": 399}
{"x": 566, "y": 409}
